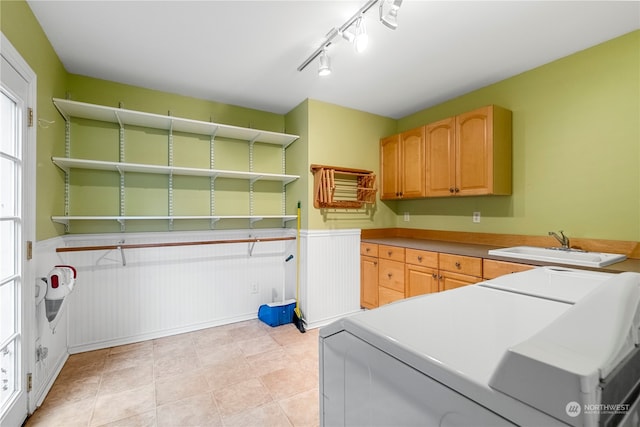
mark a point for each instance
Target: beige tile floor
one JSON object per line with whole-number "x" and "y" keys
{"x": 243, "y": 374}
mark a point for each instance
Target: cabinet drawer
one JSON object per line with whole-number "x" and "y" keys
{"x": 391, "y": 252}
{"x": 385, "y": 296}
{"x": 461, "y": 264}
{"x": 368, "y": 249}
{"x": 391, "y": 274}
{"x": 424, "y": 258}
{"x": 492, "y": 269}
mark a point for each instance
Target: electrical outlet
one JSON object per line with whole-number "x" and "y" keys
{"x": 476, "y": 217}
{"x": 407, "y": 217}
{"x": 254, "y": 288}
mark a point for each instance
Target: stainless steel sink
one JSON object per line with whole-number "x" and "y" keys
{"x": 561, "y": 256}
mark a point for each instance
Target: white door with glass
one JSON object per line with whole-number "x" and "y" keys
{"x": 16, "y": 228}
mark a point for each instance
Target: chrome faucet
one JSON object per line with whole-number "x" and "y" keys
{"x": 564, "y": 240}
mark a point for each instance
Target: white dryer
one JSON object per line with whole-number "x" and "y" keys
{"x": 545, "y": 347}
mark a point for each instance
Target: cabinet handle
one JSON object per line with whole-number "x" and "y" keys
{"x": 458, "y": 265}
{"x": 389, "y": 253}
{"x": 375, "y": 262}
{"x": 420, "y": 258}
{"x": 440, "y": 277}
{"x": 457, "y": 190}
{"x": 367, "y": 249}
{"x": 389, "y": 275}
{"x": 451, "y": 190}
{"x": 434, "y": 275}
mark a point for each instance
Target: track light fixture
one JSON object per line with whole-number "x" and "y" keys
{"x": 390, "y": 18}
{"x": 325, "y": 64}
{"x": 362, "y": 38}
{"x": 354, "y": 31}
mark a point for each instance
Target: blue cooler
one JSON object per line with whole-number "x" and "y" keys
{"x": 277, "y": 313}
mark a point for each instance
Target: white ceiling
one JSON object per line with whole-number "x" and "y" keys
{"x": 247, "y": 52}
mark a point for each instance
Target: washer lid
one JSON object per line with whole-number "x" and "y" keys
{"x": 555, "y": 283}
{"x": 458, "y": 335}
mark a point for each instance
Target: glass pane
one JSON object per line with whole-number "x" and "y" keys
{"x": 7, "y": 314}
{"x": 8, "y": 257}
{"x": 7, "y": 372}
{"x": 8, "y": 187}
{"x": 7, "y": 125}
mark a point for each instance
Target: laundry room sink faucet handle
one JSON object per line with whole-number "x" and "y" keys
{"x": 564, "y": 240}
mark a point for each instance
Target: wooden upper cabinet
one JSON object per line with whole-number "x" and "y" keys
{"x": 390, "y": 167}
{"x": 412, "y": 171}
{"x": 440, "y": 158}
{"x": 483, "y": 152}
{"x": 402, "y": 165}
{"x": 470, "y": 154}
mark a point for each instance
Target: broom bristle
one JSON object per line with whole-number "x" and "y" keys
{"x": 297, "y": 320}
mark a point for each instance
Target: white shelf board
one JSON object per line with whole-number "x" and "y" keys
{"x": 66, "y": 164}
{"x": 123, "y": 116}
{"x": 65, "y": 219}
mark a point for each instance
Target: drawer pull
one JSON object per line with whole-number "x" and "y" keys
{"x": 389, "y": 275}
{"x": 375, "y": 262}
{"x": 435, "y": 276}
{"x": 458, "y": 266}
{"x": 420, "y": 258}
{"x": 367, "y": 249}
{"x": 389, "y": 253}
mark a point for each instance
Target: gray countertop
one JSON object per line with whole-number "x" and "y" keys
{"x": 482, "y": 251}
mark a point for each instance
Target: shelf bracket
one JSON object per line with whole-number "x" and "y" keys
{"x": 251, "y": 246}
{"x": 213, "y": 222}
{"x": 122, "y": 222}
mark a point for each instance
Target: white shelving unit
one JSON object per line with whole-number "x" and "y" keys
{"x": 171, "y": 124}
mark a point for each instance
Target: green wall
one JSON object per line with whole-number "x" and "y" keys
{"x": 19, "y": 25}
{"x": 340, "y": 136}
{"x": 576, "y": 150}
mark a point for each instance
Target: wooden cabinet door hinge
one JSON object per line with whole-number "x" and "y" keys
{"x": 29, "y": 382}
{"x": 30, "y": 117}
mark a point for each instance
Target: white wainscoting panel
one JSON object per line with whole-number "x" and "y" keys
{"x": 330, "y": 275}
{"x": 168, "y": 290}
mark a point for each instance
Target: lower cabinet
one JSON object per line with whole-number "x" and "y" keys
{"x": 390, "y": 273}
{"x": 492, "y": 268}
{"x": 368, "y": 275}
{"x": 457, "y": 271}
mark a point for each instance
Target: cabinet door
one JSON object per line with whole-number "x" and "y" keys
{"x": 420, "y": 280}
{"x": 440, "y": 158}
{"x": 368, "y": 282}
{"x": 474, "y": 152}
{"x": 389, "y": 167}
{"x": 412, "y": 151}
{"x": 386, "y": 295}
{"x": 391, "y": 274}
{"x": 452, "y": 280}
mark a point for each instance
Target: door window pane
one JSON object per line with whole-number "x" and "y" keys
{"x": 8, "y": 126}
{"x": 7, "y": 372}
{"x": 8, "y": 255}
{"x": 7, "y": 315}
{"x": 8, "y": 187}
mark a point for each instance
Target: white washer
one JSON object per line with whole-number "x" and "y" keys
{"x": 447, "y": 358}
